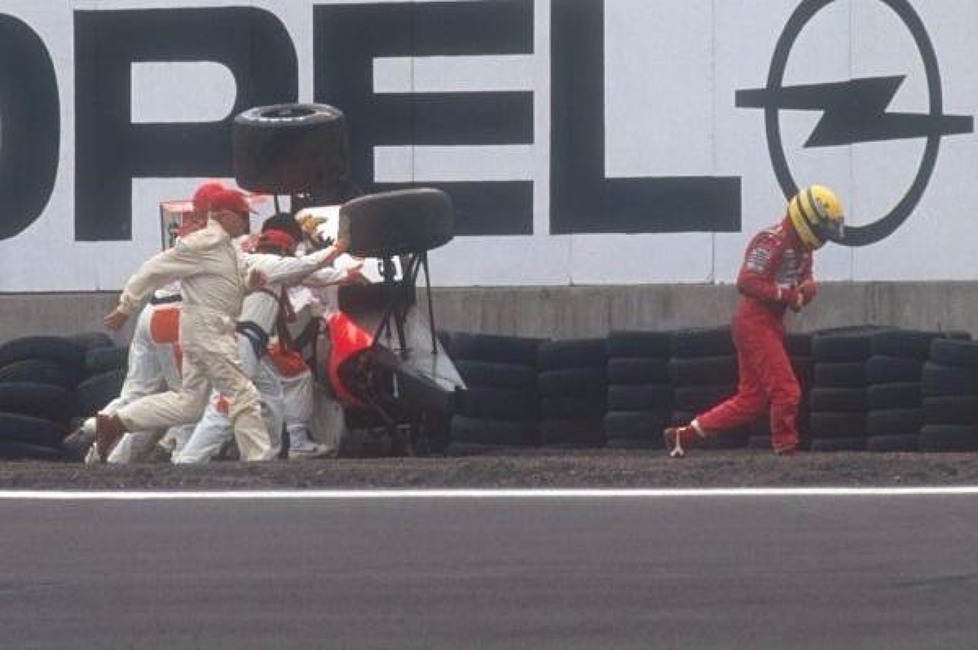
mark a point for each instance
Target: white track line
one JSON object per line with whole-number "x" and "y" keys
{"x": 328, "y": 495}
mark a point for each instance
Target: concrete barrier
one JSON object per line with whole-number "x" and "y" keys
{"x": 581, "y": 311}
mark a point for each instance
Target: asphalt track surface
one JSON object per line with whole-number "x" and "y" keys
{"x": 784, "y": 569}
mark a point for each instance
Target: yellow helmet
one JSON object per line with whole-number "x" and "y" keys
{"x": 816, "y": 214}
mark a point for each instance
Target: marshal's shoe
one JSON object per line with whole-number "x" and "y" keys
{"x": 308, "y": 450}
{"x": 108, "y": 430}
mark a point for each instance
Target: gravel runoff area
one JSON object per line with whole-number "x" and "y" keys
{"x": 516, "y": 468}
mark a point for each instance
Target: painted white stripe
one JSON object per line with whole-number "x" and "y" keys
{"x": 246, "y": 495}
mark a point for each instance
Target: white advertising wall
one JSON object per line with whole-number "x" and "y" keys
{"x": 687, "y": 92}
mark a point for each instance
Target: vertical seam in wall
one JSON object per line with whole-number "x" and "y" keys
{"x": 713, "y": 128}
{"x": 852, "y": 163}
{"x": 414, "y": 63}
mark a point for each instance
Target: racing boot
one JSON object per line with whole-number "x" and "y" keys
{"x": 785, "y": 449}
{"x": 678, "y": 439}
{"x": 108, "y": 430}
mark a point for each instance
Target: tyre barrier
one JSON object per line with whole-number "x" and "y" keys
{"x": 573, "y": 388}
{"x": 949, "y": 385}
{"x": 837, "y": 417}
{"x": 43, "y": 390}
{"x": 501, "y": 404}
{"x": 619, "y": 391}
{"x": 640, "y": 398}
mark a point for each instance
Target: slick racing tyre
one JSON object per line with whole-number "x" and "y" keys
{"x": 290, "y": 148}
{"x": 401, "y": 222}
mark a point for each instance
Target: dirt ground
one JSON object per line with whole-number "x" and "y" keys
{"x": 514, "y": 468}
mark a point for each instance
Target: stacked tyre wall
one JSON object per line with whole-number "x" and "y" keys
{"x": 950, "y": 396}
{"x": 501, "y": 403}
{"x": 837, "y": 401}
{"x": 572, "y": 384}
{"x": 893, "y": 391}
{"x": 640, "y": 394}
{"x": 863, "y": 388}
{"x": 48, "y": 384}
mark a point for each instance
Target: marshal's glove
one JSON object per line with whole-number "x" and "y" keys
{"x": 308, "y": 222}
{"x": 798, "y": 296}
{"x": 311, "y": 226}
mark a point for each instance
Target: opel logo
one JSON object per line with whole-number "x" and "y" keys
{"x": 854, "y": 111}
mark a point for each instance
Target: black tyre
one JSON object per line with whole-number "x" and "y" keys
{"x": 98, "y": 390}
{"x": 839, "y": 374}
{"x": 948, "y": 437}
{"x": 907, "y": 442}
{"x": 103, "y": 359}
{"x": 53, "y": 348}
{"x": 939, "y": 379}
{"x": 848, "y": 400}
{"x": 493, "y": 432}
{"x": 629, "y": 343}
{"x": 572, "y": 433}
{"x": 290, "y": 148}
{"x": 571, "y": 408}
{"x": 703, "y": 342}
{"x": 893, "y": 396}
{"x": 894, "y": 421}
{"x": 888, "y": 370}
{"x": 497, "y": 375}
{"x": 46, "y": 401}
{"x": 624, "y": 444}
{"x": 16, "y": 450}
{"x": 31, "y": 430}
{"x": 828, "y": 424}
{"x": 572, "y": 353}
{"x": 43, "y": 371}
{"x": 638, "y": 370}
{"x": 954, "y": 352}
{"x": 951, "y": 409}
{"x": 838, "y": 444}
{"x": 89, "y": 340}
{"x": 636, "y": 425}
{"x": 697, "y": 398}
{"x": 397, "y": 223}
{"x": 798, "y": 344}
{"x": 499, "y": 403}
{"x": 640, "y": 397}
{"x": 700, "y": 371}
{"x": 573, "y": 382}
{"x": 494, "y": 348}
{"x": 840, "y": 348}
{"x": 912, "y": 344}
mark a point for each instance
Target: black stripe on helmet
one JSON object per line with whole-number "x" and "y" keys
{"x": 819, "y": 215}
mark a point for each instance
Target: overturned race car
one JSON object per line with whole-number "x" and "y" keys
{"x": 375, "y": 351}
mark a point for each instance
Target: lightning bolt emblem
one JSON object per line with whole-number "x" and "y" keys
{"x": 854, "y": 111}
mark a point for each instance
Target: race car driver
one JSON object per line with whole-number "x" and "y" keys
{"x": 776, "y": 275}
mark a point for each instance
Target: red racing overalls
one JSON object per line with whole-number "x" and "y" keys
{"x": 776, "y": 273}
